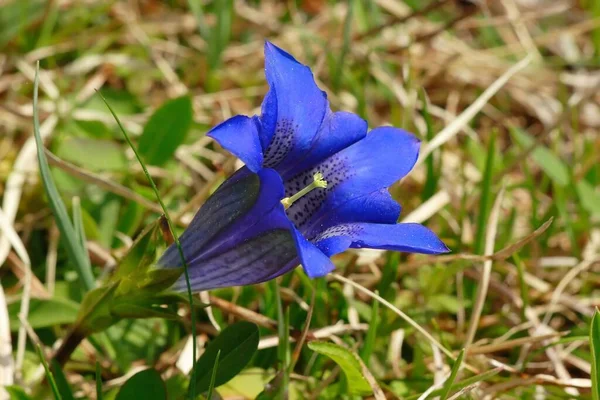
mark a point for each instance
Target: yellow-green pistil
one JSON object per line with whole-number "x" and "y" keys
{"x": 318, "y": 182}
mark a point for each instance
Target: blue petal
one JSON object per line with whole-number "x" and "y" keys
{"x": 296, "y": 104}
{"x": 257, "y": 259}
{"x": 239, "y": 136}
{"x": 241, "y": 201}
{"x": 268, "y": 118}
{"x": 378, "y": 207}
{"x": 314, "y": 262}
{"x": 409, "y": 237}
{"x": 384, "y": 156}
{"x": 338, "y": 131}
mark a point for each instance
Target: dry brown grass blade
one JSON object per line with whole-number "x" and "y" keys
{"x": 7, "y": 363}
{"x": 243, "y": 313}
{"x": 395, "y": 309}
{"x": 500, "y": 255}
{"x": 8, "y": 231}
{"x": 455, "y": 126}
{"x": 509, "y": 344}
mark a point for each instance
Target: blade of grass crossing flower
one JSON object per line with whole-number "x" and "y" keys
{"x": 98, "y": 382}
{"x": 595, "y": 347}
{"x": 369, "y": 344}
{"x": 453, "y": 374}
{"x": 192, "y": 391}
{"x": 49, "y": 374}
{"x": 76, "y": 252}
{"x": 211, "y": 387}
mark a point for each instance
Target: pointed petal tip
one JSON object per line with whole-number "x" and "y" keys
{"x": 436, "y": 245}
{"x": 272, "y": 51}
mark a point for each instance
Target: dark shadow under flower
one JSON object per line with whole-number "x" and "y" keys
{"x": 244, "y": 235}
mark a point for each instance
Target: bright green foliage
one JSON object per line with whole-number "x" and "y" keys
{"x": 350, "y": 364}
{"x": 235, "y": 346}
{"x": 166, "y": 129}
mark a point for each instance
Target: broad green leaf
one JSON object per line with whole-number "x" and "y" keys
{"x": 248, "y": 384}
{"x": 95, "y": 129}
{"x": 166, "y": 130}
{"x": 349, "y": 362}
{"x": 590, "y": 198}
{"x": 548, "y": 161}
{"x": 237, "y": 344}
{"x": 147, "y": 385}
{"x": 45, "y": 312}
{"x": 176, "y": 386}
{"x": 595, "y": 348}
{"x": 93, "y": 154}
{"x": 123, "y": 102}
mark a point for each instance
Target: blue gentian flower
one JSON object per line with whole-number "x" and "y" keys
{"x": 314, "y": 184}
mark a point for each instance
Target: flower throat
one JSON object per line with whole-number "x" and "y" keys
{"x": 318, "y": 182}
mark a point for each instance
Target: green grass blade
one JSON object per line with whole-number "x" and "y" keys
{"x": 595, "y": 347}
{"x": 283, "y": 330}
{"x": 78, "y": 226}
{"x": 98, "y": 382}
{"x": 453, "y": 374}
{"x": 337, "y": 76}
{"x": 192, "y": 390}
{"x": 432, "y": 176}
{"x": 61, "y": 381}
{"x": 76, "y": 252}
{"x": 485, "y": 204}
{"x": 49, "y": 375}
{"x": 213, "y": 377}
{"x": 462, "y": 384}
{"x": 196, "y": 8}
{"x": 522, "y": 284}
{"x": 369, "y": 345}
